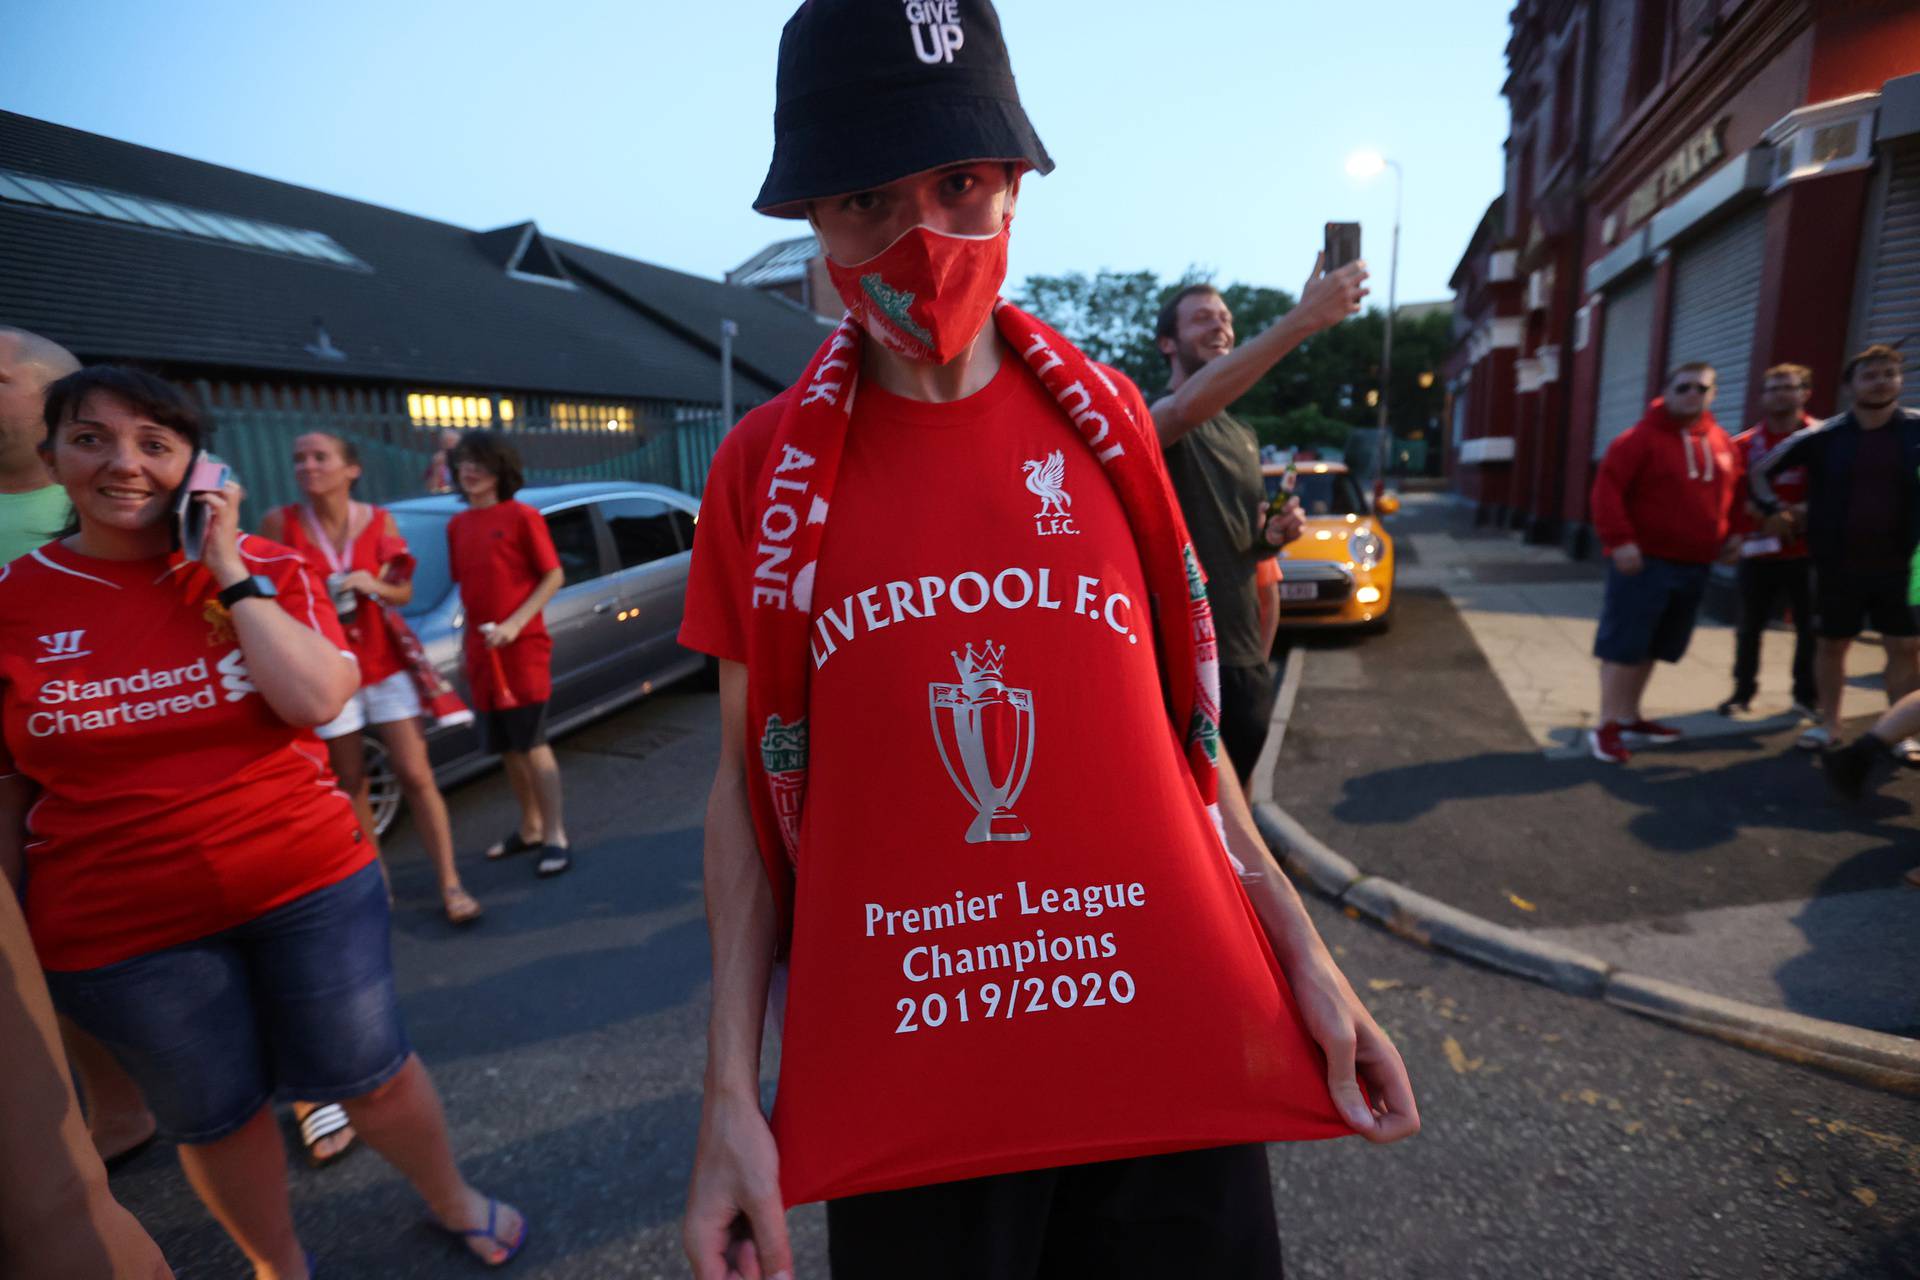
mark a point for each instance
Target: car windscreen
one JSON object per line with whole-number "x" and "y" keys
{"x": 1324, "y": 493}
{"x": 426, "y": 535}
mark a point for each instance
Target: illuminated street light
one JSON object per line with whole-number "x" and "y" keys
{"x": 1366, "y": 164}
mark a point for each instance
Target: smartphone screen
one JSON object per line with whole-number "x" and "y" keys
{"x": 205, "y": 474}
{"x": 1343, "y": 244}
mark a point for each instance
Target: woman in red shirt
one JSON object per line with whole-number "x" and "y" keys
{"x": 357, "y": 550}
{"x": 500, "y": 553}
{"x": 196, "y": 884}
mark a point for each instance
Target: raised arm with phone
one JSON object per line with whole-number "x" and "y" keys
{"x": 1196, "y": 394}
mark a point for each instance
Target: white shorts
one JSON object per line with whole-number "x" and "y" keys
{"x": 394, "y": 698}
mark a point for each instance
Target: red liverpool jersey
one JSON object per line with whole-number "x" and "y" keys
{"x": 174, "y": 802}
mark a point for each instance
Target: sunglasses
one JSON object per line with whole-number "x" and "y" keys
{"x": 1682, "y": 388}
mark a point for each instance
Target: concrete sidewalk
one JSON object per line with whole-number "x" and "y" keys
{"x": 1432, "y": 757}
{"x": 1533, "y": 613}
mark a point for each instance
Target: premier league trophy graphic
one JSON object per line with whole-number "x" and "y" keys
{"x": 985, "y": 734}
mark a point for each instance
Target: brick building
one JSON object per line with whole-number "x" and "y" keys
{"x": 1736, "y": 181}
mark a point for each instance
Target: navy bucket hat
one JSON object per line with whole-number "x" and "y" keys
{"x": 870, "y": 91}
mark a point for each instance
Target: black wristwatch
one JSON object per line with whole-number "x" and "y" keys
{"x": 247, "y": 589}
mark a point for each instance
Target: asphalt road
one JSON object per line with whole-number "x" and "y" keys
{"x": 1563, "y": 1138}
{"x": 1722, "y": 862}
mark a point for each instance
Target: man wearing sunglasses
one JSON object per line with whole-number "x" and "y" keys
{"x": 1862, "y": 524}
{"x": 1663, "y": 506}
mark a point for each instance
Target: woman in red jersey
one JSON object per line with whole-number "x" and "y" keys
{"x": 500, "y": 553}
{"x": 196, "y": 884}
{"x": 356, "y": 548}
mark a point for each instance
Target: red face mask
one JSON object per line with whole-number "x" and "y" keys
{"x": 926, "y": 295}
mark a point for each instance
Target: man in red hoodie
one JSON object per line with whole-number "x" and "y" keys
{"x": 1663, "y": 506}
{"x": 1773, "y": 559}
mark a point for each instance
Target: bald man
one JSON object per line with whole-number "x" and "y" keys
{"x": 33, "y": 509}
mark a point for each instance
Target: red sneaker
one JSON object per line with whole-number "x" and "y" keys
{"x": 1651, "y": 730}
{"x": 1606, "y": 744}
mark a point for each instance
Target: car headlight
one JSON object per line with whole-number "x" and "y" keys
{"x": 1365, "y": 548}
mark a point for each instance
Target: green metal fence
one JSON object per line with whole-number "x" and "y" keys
{"x": 257, "y": 441}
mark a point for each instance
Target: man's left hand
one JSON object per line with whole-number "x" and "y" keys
{"x": 1357, "y": 1050}
{"x": 502, "y": 634}
{"x": 1285, "y": 527}
{"x": 1730, "y": 553}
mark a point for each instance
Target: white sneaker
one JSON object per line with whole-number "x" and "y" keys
{"x": 1907, "y": 752}
{"x": 1815, "y": 737}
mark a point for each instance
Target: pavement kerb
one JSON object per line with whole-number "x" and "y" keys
{"x": 1872, "y": 1057}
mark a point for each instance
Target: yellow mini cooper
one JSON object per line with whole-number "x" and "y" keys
{"x": 1339, "y": 573}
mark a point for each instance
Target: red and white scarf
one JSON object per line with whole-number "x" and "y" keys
{"x": 792, "y": 505}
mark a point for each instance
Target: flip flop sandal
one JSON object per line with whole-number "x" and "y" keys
{"x": 554, "y": 858}
{"x": 487, "y": 1233}
{"x": 461, "y": 907}
{"x": 511, "y": 845}
{"x": 320, "y": 1124}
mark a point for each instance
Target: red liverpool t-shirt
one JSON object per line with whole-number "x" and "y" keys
{"x": 373, "y": 548}
{"x": 498, "y": 555}
{"x": 174, "y": 802}
{"x": 975, "y": 554}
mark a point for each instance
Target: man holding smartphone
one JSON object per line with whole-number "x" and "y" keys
{"x": 1214, "y": 460}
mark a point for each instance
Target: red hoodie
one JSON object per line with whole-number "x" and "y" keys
{"x": 1668, "y": 489}
{"x": 1790, "y": 486}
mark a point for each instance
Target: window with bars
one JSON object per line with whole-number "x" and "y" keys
{"x": 458, "y": 411}
{"x": 571, "y": 415}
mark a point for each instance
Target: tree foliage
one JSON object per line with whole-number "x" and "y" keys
{"x": 1309, "y": 397}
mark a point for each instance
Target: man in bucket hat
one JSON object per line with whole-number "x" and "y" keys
{"x": 1034, "y": 1023}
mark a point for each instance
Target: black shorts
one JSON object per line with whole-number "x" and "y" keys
{"x": 1844, "y": 603}
{"x": 1196, "y": 1213}
{"x": 518, "y": 729}
{"x": 1246, "y": 708}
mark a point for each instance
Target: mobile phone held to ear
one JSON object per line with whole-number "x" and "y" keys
{"x": 206, "y": 474}
{"x": 1343, "y": 245}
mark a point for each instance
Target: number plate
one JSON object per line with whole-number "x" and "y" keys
{"x": 1299, "y": 590}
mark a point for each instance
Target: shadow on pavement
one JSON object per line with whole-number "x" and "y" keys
{"x": 1673, "y": 803}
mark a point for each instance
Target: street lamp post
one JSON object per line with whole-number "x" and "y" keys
{"x": 1367, "y": 164}
{"x": 728, "y": 332}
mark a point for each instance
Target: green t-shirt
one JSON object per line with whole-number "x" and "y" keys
{"x": 31, "y": 519}
{"x": 1216, "y": 475}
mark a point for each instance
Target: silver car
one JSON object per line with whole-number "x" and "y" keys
{"x": 625, "y": 548}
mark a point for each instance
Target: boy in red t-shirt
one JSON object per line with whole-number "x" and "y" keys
{"x": 500, "y": 553}
{"x": 931, "y": 710}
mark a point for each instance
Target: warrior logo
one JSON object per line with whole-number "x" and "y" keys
{"x": 62, "y": 645}
{"x": 984, "y": 731}
{"x": 893, "y": 305}
{"x": 783, "y": 754}
{"x": 936, "y": 29}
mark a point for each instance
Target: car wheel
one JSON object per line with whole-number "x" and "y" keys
{"x": 383, "y": 787}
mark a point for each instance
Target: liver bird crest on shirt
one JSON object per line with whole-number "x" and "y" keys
{"x": 1046, "y": 480}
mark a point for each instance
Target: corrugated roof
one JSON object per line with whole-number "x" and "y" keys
{"x": 432, "y": 309}
{"x": 781, "y": 262}
{"x": 776, "y": 339}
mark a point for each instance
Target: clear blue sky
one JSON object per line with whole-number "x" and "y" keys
{"x": 1209, "y": 132}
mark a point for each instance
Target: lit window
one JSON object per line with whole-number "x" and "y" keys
{"x": 506, "y": 411}
{"x": 573, "y": 416}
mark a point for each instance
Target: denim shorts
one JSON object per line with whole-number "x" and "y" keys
{"x": 299, "y": 1001}
{"x": 1649, "y": 614}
